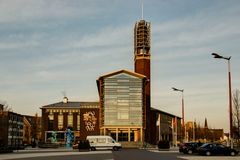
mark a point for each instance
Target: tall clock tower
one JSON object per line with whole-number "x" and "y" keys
{"x": 142, "y": 39}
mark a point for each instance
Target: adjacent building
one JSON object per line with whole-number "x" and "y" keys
{"x": 196, "y": 132}
{"x": 81, "y": 117}
{"x": 31, "y": 129}
{"x": 27, "y": 133}
{"x": 165, "y": 127}
{"x": 11, "y": 129}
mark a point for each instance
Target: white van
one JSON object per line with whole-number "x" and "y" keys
{"x": 103, "y": 142}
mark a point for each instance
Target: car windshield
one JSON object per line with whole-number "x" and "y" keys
{"x": 221, "y": 146}
{"x": 191, "y": 144}
{"x": 204, "y": 145}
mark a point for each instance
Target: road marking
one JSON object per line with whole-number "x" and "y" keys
{"x": 157, "y": 151}
{"x": 209, "y": 158}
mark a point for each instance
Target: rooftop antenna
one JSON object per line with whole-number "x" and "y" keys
{"x": 64, "y": 93}
{"x": 65, "y": 99}
{"x": 142, "y": 9}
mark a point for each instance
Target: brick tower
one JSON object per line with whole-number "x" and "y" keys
{"x": 142, "y": 56}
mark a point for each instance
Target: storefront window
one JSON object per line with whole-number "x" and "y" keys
{"x": 122, "y": 136}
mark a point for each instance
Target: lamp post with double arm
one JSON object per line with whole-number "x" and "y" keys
{"x": 215, "y": 55}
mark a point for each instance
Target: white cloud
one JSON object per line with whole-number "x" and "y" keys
{"x": 28, "y": 10}
{"x": 195, "y": 33}
{"x": 108, "y": 36}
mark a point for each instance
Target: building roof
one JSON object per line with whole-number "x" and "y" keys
{"x": 118, "y": 72}
{"x": 163, "y": 112}
{"x": 123, "y": 71}
{"x": 72, "y": 105}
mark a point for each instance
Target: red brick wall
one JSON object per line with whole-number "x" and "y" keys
{"x": 142, "y": 66}
{"x": 44, "y": 123}
{"x": 75, "y": 121}
{"x": 89, "y": 122}
{"x": 65, "y": 117}
{"x": 55, "y": 122}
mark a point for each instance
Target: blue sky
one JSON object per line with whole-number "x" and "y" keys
{"x": 47, "y": 47}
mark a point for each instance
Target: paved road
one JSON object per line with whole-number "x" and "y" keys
{"x": 125, "y": 154}
{"x": 198, "y": 157}
{"x": 137, "y": 154}
{"x": 93, "y": 155}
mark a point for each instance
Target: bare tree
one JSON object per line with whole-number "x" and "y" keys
{"x": 5, "y": 106}
{"x": 236, "y": 111}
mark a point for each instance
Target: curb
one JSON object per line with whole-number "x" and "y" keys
{"x": 38, "y": 150}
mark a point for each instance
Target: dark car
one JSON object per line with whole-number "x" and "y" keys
{"x": 216, "y": 149}
{"x": 189, "y": 147}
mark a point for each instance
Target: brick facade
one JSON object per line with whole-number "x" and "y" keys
{"x": 88, "y": 112}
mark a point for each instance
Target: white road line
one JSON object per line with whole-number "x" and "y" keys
{"x": 210, "y": 158}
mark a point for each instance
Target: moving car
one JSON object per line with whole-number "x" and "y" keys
{"x": 103, "y": 142}
{"x": 189, "y": 147}
{"x": 216, "y": 149}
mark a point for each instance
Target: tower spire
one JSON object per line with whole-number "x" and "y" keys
{"x": 142, "y": 9}
{"x": 205, "y": 123}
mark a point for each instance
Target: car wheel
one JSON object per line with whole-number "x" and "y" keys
{"x": 185, "y": 152}
{"x": 232, "y": 153}
{"x": 208, "y": 153}
{"x": 115, "y": 148}
{"x": 190, "y": 151}
{"x": 93, "y": 149}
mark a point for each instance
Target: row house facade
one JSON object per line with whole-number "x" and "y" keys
{"x": 11, "y": 129}
{"x": 31, "y": 129}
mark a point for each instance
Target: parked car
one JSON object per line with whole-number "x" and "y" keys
{"x": 83, "y": 145}
{"x": 163, "y": 145}
{"x": 216, "y": 149}
{"x": 189, "y": 147}
{"x": 103, "y": 142}
{"x": 181, "y": 145}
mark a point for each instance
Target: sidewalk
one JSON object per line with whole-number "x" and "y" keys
{"x": 155, "y": 149}
{"x": 39, "y": 152}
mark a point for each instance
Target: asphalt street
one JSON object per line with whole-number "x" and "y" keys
{"x": 124, "y": 154}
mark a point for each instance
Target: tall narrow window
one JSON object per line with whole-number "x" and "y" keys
{"x": 50, "y": 122}
{"x": 78, "y": 122}
{"x": 60, "y": 121}
{"x": 70, "y": 120}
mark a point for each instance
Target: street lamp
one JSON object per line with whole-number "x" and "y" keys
{"x": 183, "y": 128}
{"x": 215, "y": 55}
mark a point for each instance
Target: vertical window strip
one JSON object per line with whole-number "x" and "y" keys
{"x": 78, "y": 122}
